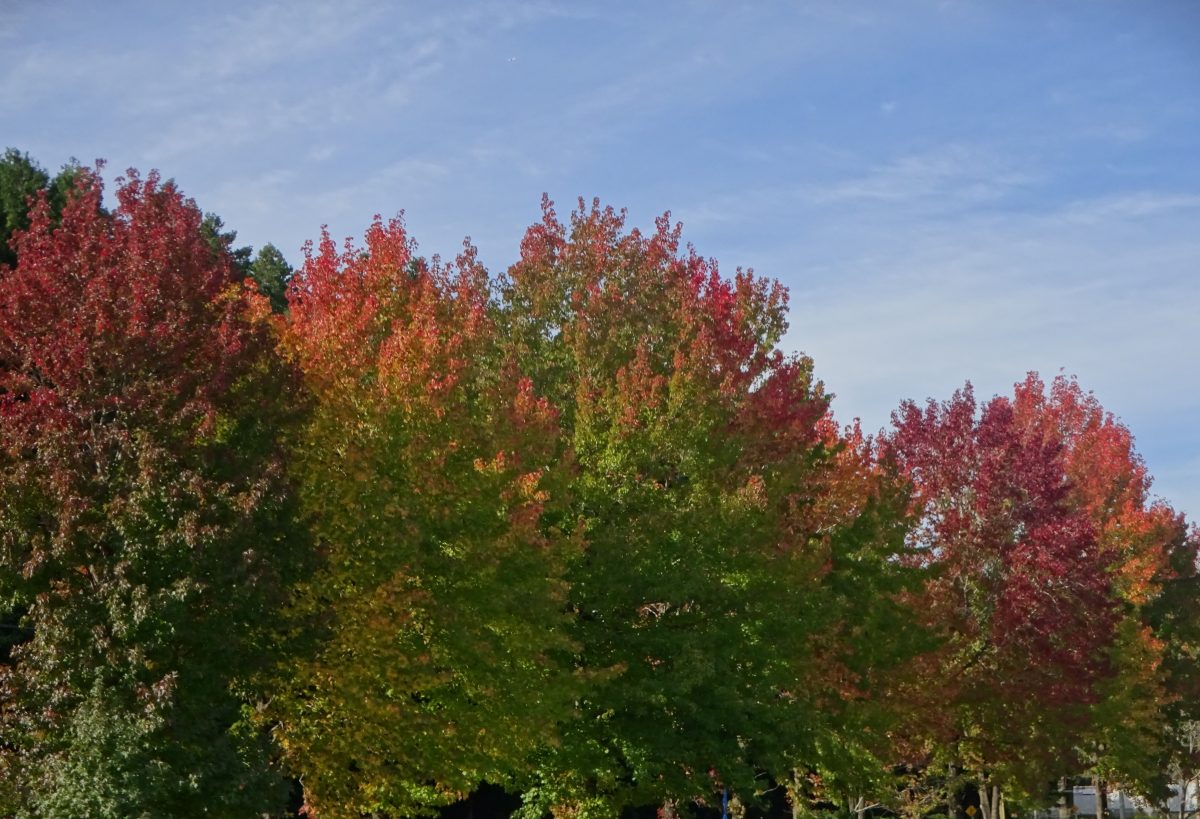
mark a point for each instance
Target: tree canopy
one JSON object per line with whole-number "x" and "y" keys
{"x": 388, "y": 528}
{"x": 143, "y": 512}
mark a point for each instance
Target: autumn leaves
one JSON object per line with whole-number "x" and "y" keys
{"x": 146, "y": 533}
{"x": 580, "y": 530}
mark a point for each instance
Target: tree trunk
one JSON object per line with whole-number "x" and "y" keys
{"x": 985, "y": 798}
{"x": 1066, "y": 799}
{"x": 952, "y": 792}
{"x": 799, "y": 806}
{"x": 1101, "y": 787}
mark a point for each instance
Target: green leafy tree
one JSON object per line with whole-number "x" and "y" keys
{"x": 21, "y": 180}
{"x": 268, "y": 269}
{"x": 144, "y": 514}
{"x": 431, "y": 478}
{"x": 271, "y": 274}
{"x": 222, "y": 243}
{"x": 737, "y": 585}
{"x": 1174, "y": 617}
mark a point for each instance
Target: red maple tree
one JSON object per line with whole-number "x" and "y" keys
{"x": 142, "y": 509}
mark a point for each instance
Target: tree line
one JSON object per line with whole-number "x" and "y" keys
{"x": 372, "y": 533}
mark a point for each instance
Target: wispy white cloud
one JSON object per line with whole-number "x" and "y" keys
{"x": 320, "y": 153}
{"x": 40, "y": 74}
{"x": 1133, "y": 205}
{"x": 909, "y": 308}
{"x": 1122, "y": 133}
{"x": 953, "y": 174}
{"x": 965, "y": 261}
{"x": 256, "y": 37}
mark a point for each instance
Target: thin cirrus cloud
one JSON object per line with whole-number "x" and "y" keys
{"x": 974, "y": 261}
{"x": 1104, "y": 289}
{"x": 951, "y": 176}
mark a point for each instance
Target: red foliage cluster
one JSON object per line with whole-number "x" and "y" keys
{"x": 114, "y": 326}
{"x": 1020, "y": 581}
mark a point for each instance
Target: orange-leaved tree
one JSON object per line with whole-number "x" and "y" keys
{"x": 1150, "y": 559}
{"x": 431, "y": 478}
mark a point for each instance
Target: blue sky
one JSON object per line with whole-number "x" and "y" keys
{"x": 951, "y": 190}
